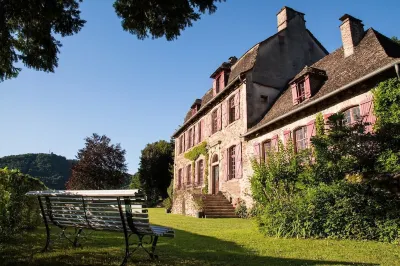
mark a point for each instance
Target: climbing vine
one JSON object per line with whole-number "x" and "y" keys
{"x": 193, "y": 155}
{"x": 320, "y": 125}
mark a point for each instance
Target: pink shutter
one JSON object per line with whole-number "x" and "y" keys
{"x": 294, "y": 93}
{"x": 310, "y": 131}
{"x": 274, "y": 143}
{"x": 286, "y": 136}
{"x": 219, "y": 119}
{"x": 226, "y": 164}
{"x": 326, "y": 117}
{"x": 208, "y": 125}
{"x": 238, "y": 158}
{"x": 214, "y": 87}
{"x": 307, "y": 87}
{"x": 202, "y": 130}
{"x": 222, "y": 80}
{"x": 257, "y": 151}
{"x": 196, "y": 135}
{"x": 237, "y": 105}
{"x": 224, "y": 114}
{"x": 366, "y": 112}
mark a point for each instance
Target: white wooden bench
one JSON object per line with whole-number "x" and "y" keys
{"x": 108, "y": 210}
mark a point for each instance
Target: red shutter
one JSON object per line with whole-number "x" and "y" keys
{"x": 294, "y": 93}
{"x": 311, "y": 131}
{"x": 226, "y": 164}
{"x": 257, "y": 151}
{"x": 214, "y": 87}
{"x": 219, "y": 120}
{"x": 286, "y": 136}
{"x": 307, "y": 87}
{"x": 274, "y": 143}
{"x": 237, "y": 105}
{"x": 238, "y": 159}
{"x": 224, "y": 114}
{"x": 366, "y": 111}
{"x": 222, "y": 80}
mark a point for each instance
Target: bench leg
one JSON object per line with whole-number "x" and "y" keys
{"x": 76, "y": 244}
{"x": 153, "y": 247}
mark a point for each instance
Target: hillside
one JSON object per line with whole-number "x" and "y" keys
{"x": 53, "y": 170}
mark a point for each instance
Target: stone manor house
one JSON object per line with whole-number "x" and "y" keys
{"x": 274, "y": 92}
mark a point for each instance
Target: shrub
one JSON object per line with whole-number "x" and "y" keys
{"x": 241, "y": 209}
{"x": 18, "y": 211}
{"x": 167, "y": 203}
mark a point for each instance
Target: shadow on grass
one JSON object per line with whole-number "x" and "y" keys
{"x": 105, "y": 248}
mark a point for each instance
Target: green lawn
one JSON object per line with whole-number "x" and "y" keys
{"x": 201, "y": 242}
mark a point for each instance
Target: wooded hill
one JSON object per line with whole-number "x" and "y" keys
{"x": 53, "y": 170}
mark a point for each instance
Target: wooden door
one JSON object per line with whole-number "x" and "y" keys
{"x": 215, "y": 179}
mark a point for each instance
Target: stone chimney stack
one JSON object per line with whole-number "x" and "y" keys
{"x": 352, "y": 31}
{"x": 286, "y": 14}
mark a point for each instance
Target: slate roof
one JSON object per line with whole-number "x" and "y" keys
{"x": 373, "y": 52}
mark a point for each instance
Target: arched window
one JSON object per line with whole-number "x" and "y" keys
{"x": 351, "y": 115}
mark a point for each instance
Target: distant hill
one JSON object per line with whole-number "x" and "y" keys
{"x": 53, "y": 170}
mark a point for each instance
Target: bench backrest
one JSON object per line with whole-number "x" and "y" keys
{"x": 97, "y": 212}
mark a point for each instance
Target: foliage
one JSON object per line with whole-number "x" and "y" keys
{"x": 135, "y": 182}
{"x": 320, "y": 125}
{"x": 204, "y": 190}
{"x": 387, "y": 102}
{"x": 167, "y": 203}
{"x": 17, "y": 210}
{"x": 154, "y": 169}
{"x": 394, "y": 38}
{"x": 28, "y": 31}
{"x": 101, "y": 165}
{"x": 158, "y": 18}
{"x": 241, "y": 209}
{"x": 196, "y": 151}
{"x": 53, "y": 170}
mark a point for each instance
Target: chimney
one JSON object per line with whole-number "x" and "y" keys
{"x": 352, "y": 31}
{"x": 285, "y": 15}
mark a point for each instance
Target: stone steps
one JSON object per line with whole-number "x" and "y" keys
{"x": 217, "y": 206}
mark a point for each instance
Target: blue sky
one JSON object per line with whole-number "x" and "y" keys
{"x": 137, "y": 92}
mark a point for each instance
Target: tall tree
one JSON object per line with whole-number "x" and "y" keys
{"x": 28, "y": 27}
{"x": 394, "y": 38}
{"x": 101, "y": 165}
{"x": 154, "y": 169}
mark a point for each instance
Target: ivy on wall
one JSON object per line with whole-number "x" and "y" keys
{"x": 193, "y": 155}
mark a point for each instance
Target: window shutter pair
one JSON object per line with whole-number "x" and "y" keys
{"x": 237, "y": 105}
{"x": 311, "y": 131}
{"x": 366, "y": 112}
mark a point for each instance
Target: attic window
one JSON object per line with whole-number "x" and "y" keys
{"x": 217, "y": 84}
{"x": 300, "y": 91}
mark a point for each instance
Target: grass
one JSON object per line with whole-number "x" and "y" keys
{"x": 201, "y": 242}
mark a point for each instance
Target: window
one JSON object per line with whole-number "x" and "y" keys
{"x": 351, "y": 115}
{"x": 190, "y": 138}
{"x": 301, "y": 95}
{"x": 200, "y": 173}
{"x": 267, "y": 148}
{"x": 300, "y": 138}
{"x": 214, "y": 118}
{"x": 231, "y": 162}
{"x": 189, "y": 174}
{"x": 180, "y": 178}
{"x": 217, "y": 84}
{"x": 232, "y": 109}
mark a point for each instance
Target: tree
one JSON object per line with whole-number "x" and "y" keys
{"x": 154, "y": 169}
{"x": 135, "y": 182}
{"x": 101, "y": 165}
{"x": 394, "y": 38}
{"x": 28, "y": 28}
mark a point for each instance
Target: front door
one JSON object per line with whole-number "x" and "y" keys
{"x": 215, "y": 179}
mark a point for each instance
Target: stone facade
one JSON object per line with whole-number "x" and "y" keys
{"x": 276, "y": 88}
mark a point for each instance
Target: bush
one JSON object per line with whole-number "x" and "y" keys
{"x": 340, "y": 210}
{"x": 18, "y": 211}
{"x": 241, "y": 209}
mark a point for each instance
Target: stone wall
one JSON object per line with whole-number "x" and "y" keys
{"x": 184, "y": 203}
